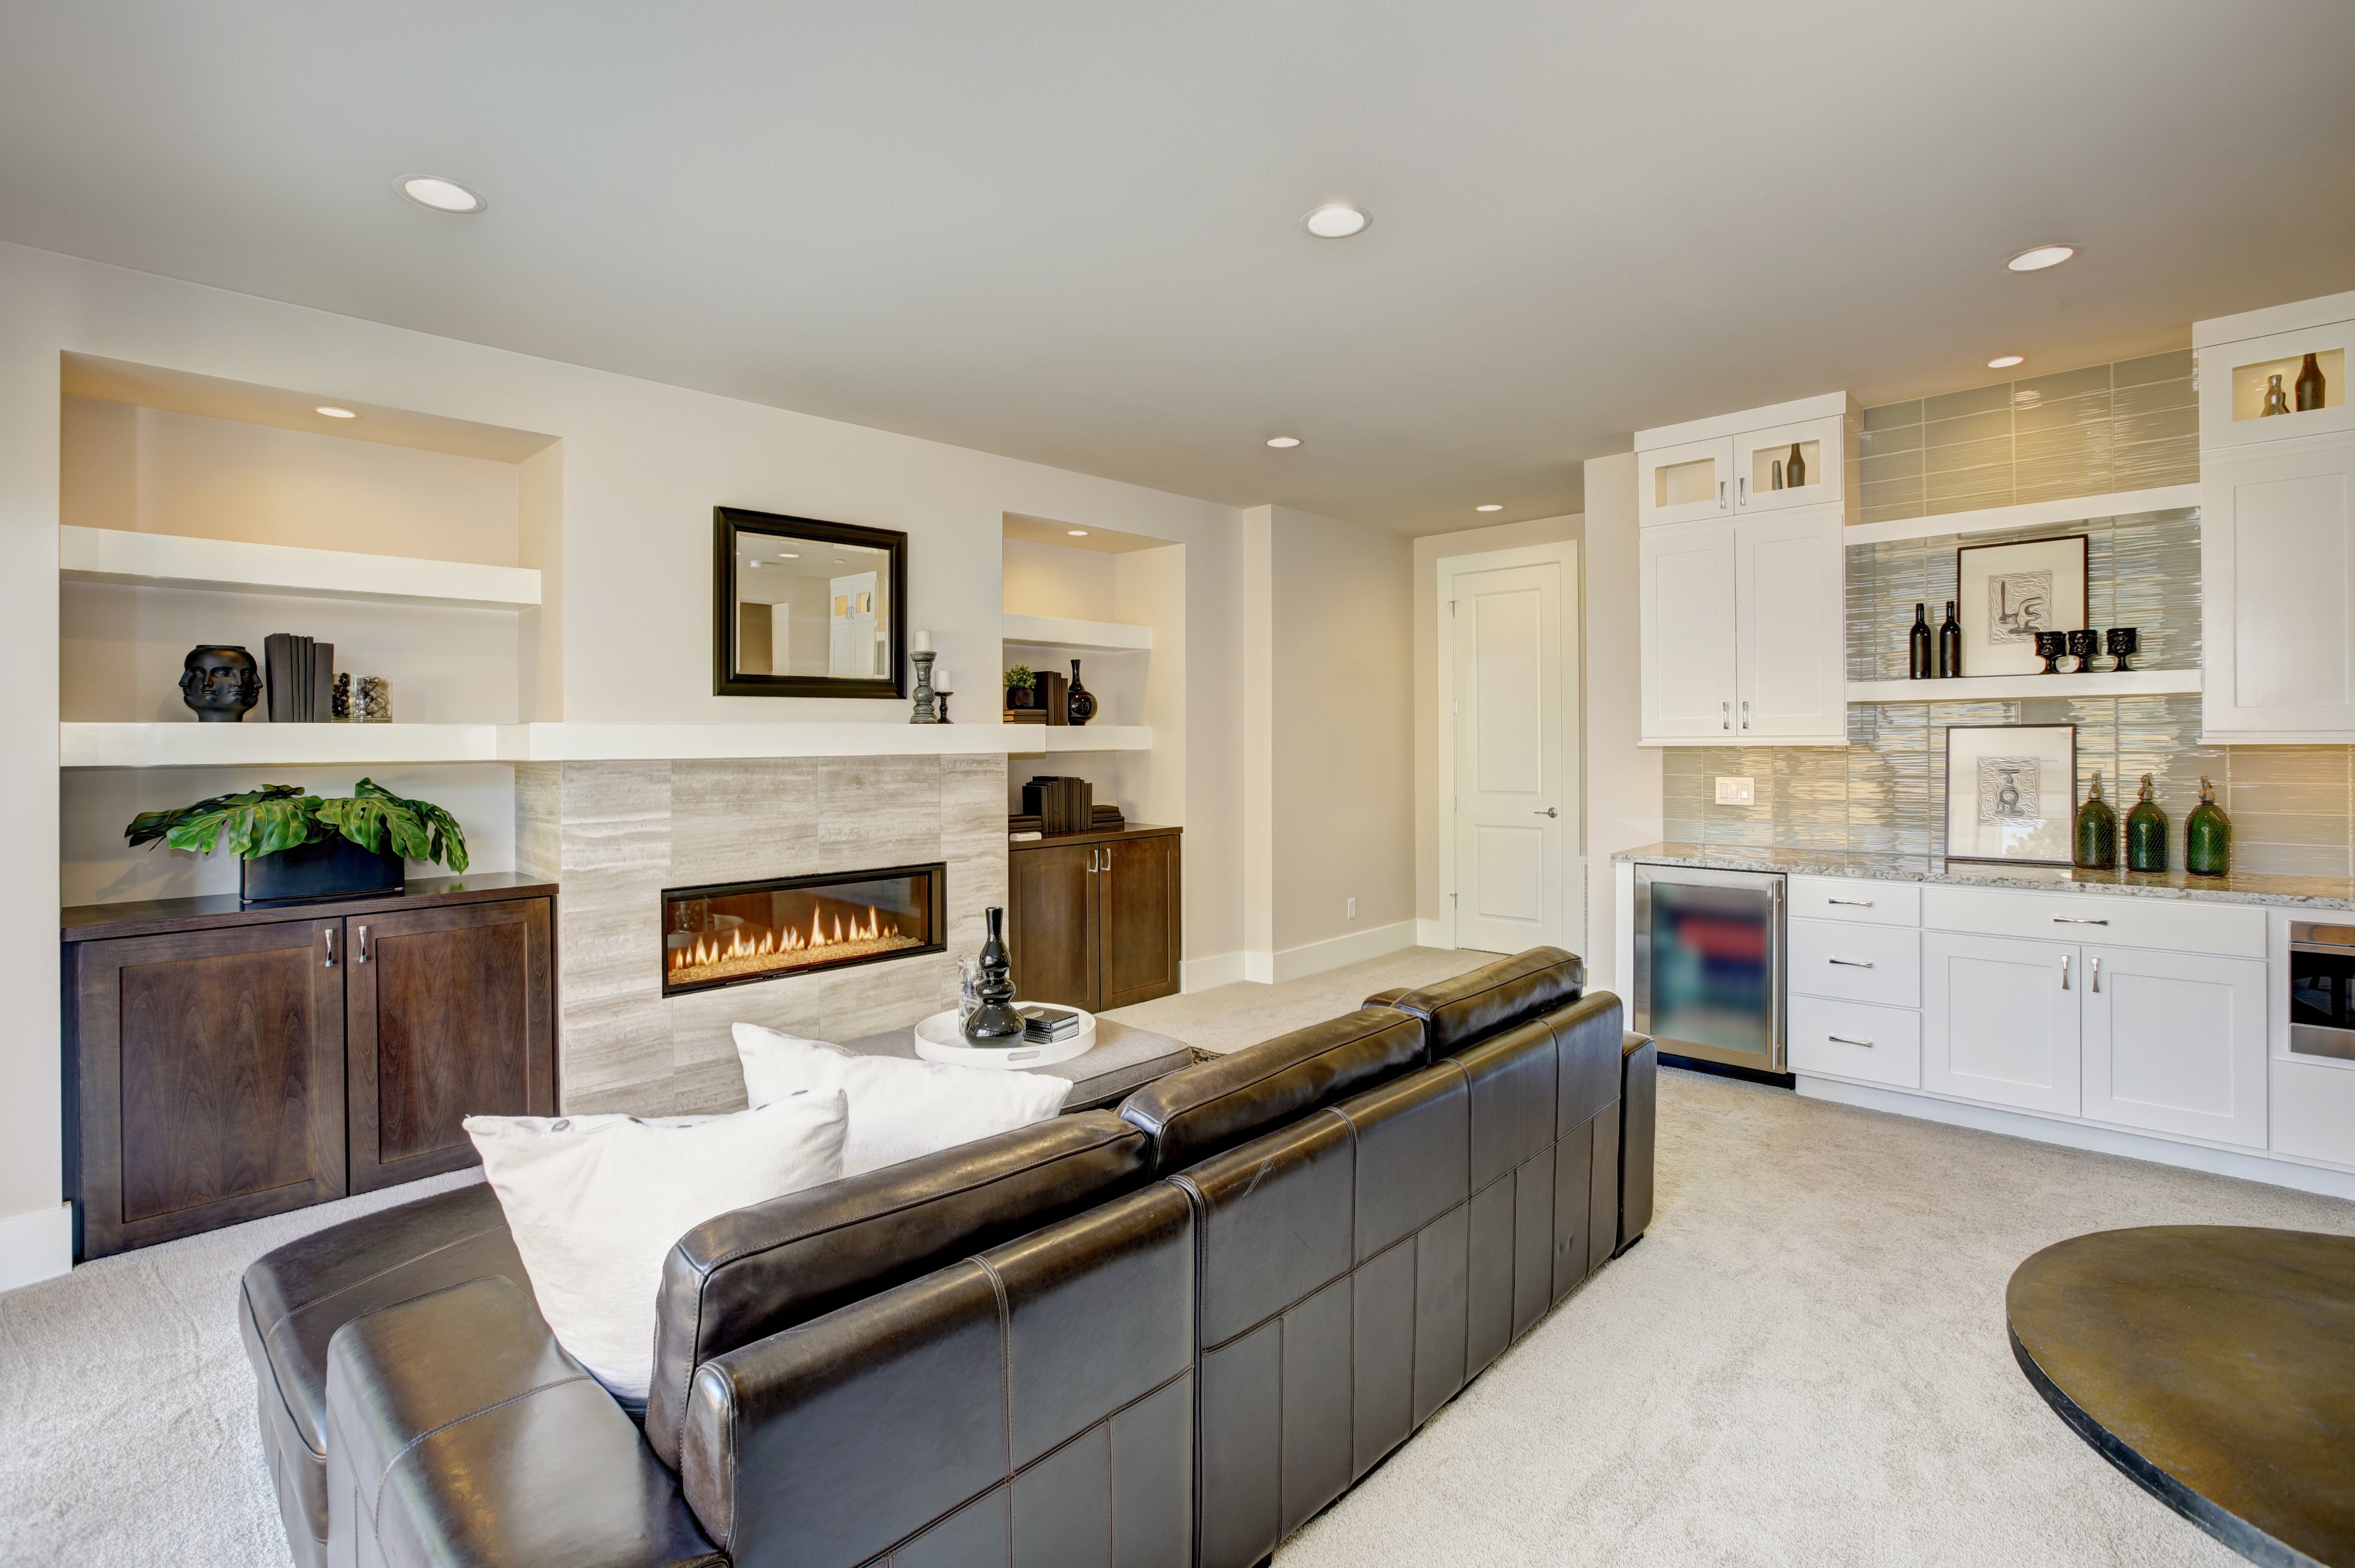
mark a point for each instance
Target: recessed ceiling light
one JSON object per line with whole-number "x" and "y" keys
{"x": 1336, "y": 220}
{"x": 754, "y": 564}
{"x": 2006, "y": 361}
{"x": 1076, "y": 533}
{"x": 1490, "y": 506}
{"x": 790, "y": 555}
{"x": 334, "y": 413}
{"x": 1283, "y": 440}
{"x": 2040, "y": 257}
{"x": 441, "y": 194}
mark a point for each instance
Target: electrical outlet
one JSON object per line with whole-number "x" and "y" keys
{"x": 1737, "y": 792}
{"x": 1353, "y": 908}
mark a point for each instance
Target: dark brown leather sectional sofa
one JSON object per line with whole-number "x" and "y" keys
{"x": 1161, "y": 1338}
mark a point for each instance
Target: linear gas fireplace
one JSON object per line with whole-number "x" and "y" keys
{"x": 735, "y": 933}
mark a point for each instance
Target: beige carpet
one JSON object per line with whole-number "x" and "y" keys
{"x": 1231, "y": 1016}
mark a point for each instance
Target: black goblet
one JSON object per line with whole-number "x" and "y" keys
{"x": 2049, "y": 647}
{"x": 2083, "y": 647}
{"x": 2124, "y": 643}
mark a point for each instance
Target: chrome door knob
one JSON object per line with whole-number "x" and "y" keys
{"x": 1548, "y": 811}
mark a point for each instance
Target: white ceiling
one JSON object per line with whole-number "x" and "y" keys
{"x": 1068, "y": 232}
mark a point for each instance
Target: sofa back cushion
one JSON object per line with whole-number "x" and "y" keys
{"x": 754, "y": 1272}
{"x": 1198, "y": 1111}
{"x": 1479, "y": 1003}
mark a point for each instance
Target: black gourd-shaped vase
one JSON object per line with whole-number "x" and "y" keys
{"x": 994, "y": 1022}
{"x": 1079, "y": 703}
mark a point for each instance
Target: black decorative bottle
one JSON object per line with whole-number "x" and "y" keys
{"x": 2206, "y": 837}
{"x": 994, "y": 1022}
{"x": 2309, "y": 386}
{"x": 2097, "y": 832}
{"x": 1950, "y": 644}
{"x": 1795, "y": 468}
{"x": 1079, "y": 703}
{"x": 1917, "y": 645}
{"x": 2145, "y": 834}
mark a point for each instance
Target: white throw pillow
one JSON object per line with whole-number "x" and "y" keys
{"x": 596, "y": 1202}
{"x": 898, "y": 1109}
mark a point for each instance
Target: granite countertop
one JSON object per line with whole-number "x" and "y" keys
{"x": 2307, "y": 892}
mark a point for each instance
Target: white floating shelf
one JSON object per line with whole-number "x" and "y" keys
{"x": 1088, "y": 636}
{"x": 193, "y": 745}
{"x": 2033, "y": 514}
{"x": 113, "y": 555}
{"x": 2007, "y": 687}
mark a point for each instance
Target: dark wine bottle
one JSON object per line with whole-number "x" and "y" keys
{"x": 1795, "y": 468}
{"x": 2206, "y": 837}
{"x": 1950, "y": 644}
{"x": 2309, "y": 386}
{"x": 2097, "y": 832}
{"x": 1917, "y": 650}
{"x": 2145, "y": 834}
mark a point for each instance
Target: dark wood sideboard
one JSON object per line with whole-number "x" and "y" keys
{"x": 225, "y": 1063}
{"x": 1093, "y": 918}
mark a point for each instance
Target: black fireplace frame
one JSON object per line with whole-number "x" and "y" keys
{"x": 938, "y": 920}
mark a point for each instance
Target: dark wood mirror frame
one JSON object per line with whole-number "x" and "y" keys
{"x": 727, "y": 524}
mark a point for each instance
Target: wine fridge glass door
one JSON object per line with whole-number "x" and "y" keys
{"x": 1709, "y": 964}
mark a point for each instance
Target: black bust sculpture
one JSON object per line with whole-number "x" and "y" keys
{"x": 219, "y": 683}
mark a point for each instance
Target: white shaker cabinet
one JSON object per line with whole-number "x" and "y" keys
{"x": 1999, "y": 1020}
{"x": 2175, "y": 1043}
{"x": 1686, "y": 619}
{"x": 1690, "y": 482}
{"x": 1790, "y": 603}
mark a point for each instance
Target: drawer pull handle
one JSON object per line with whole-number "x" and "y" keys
{"x": 1851, "y": 963}
{"x": 1845, "y": 1041}
{"x": 2076, "y": 919}
{"x": 1852, "y": 903}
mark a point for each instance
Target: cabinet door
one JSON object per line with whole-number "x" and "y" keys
{"x": 208, "y": 1086}
{"x": 2277, "y": 557}
{"x": 448, "y": 1016}
{"x": 1823, "y": 447}
{"x": 1687, "y": 632}
{"x": 1790, "y": 600}
{"x": 1999, "y": 1020}
{"x": 1688, "y": 483}
{"x": 1136, "y": 890}
{"x": 2234, "y": 379}
{"x": 2175, "y": 1043}
{"x": 1052, "y": 908}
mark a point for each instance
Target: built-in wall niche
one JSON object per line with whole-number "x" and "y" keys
{"x": 2254, "y": 385}
{"x": 1770, "y": 466}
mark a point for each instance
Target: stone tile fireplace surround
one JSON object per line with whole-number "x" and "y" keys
{"x": 614, "y": 835}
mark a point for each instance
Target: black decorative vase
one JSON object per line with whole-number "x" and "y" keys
{"x": 324, "y": 869}
{"x": 2051, "y": 647}
{"x": 2083, "y": 647}
{"x": 1079, "y": 703}
{"x": 2124, "y": 643}
{"x": 994, "y": 1022}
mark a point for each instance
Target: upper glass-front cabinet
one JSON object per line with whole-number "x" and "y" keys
{"x": 2259, "y": 385}
{"x": 1789, "y": 465}
{"x": 1762, "y": 460}
{"x": 1689, "y": 483}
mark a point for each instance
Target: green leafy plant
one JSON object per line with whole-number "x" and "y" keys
{"x": 1021, "y": 676}
{"x": 285, "y": 817}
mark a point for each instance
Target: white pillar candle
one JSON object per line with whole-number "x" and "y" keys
{"x": 941, "y": 678}
{"x": 923, "y": 642}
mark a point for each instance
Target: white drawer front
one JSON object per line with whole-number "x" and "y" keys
{"x": 1878, "y": 964}
{"x": 2228, "y": 931}
{"x": 1848, "y": 898}
{"x": 1851, "y": 1039}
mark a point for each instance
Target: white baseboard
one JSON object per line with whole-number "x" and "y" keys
{"x": 1316, "y": 957}
{"x": 2075, "y": 1134}
{"x": 1431, "y": 934}
{"x": 1209, "y": 974}
{"x": 36, "y": 1247}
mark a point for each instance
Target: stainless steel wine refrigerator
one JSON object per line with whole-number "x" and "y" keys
{"x": 1709, "y": 964}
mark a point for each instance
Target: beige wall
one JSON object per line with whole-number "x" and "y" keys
{"x": 1054, "y": 580}
{"x": 1623, "y": 779}
{"x": 1428, "y": 552}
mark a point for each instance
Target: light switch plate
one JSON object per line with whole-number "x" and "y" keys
{"x": 1737, "y": 792}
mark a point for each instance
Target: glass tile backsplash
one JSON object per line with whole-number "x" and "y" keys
{"x": 2128, "y": 426}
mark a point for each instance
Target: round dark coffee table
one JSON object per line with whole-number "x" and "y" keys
{"x": 2215, "y": 1364}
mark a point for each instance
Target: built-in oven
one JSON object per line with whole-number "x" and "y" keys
{"x": 1709, "y": 964}
{"x": 2322, "y": 990}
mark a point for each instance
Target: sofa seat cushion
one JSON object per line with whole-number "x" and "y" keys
{"x": 1476, "y": 1004}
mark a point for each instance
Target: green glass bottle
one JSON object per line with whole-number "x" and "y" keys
{"x": 2207, "y": 836}
{"x": 2145, "y": 834}
{"x": 2097, "y": 831}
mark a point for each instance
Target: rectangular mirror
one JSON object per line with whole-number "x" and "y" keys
{"x": 803, "y": 608}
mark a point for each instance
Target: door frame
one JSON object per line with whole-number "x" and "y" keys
{"x": 1565, "y": 554}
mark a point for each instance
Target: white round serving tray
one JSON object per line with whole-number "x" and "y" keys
{"x": 939, "y": 1038}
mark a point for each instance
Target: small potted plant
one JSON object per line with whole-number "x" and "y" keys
{"x": 298, "y": 847}
{"x": 1021, "y": 688}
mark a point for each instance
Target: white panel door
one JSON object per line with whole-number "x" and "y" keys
{"x": 2277, "y": 554}
{"x": 1511, "y": 829}
{"x": 1999, "y": 1020}
{"x": 1686, "y": 624}
{"x": 2175, "y": 1043}
{"x": 1790, "y": 572}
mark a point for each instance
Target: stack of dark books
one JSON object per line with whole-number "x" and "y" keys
{"x": 1061, "y": 805}
{"x": 1044, "y": 1026}
{"x": 300, "y": 677}
{"x": 1026, "y": 822}
{"x": 1104, "y": 818}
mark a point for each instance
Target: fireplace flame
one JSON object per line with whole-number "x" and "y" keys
{"x": 707, "y": 951}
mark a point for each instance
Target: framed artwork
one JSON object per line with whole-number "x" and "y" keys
{"x": 2010, "y": 792}
{"x": 2006, "y": 593}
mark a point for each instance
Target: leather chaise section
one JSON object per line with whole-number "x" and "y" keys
{"x": 1473, "y": 1006}
{"x": 1639, "y": 1094}
{"x": 1198, "y": 1111}
{"x": 459, "y": 1432}
{"x": 758, "y": 1269}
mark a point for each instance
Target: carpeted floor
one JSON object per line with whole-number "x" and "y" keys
{"x": 1803, "y": 1362}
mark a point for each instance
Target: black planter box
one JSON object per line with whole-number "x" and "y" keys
{"x": 326, "y": 868}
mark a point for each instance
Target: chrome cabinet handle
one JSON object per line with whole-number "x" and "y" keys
{"x": 1726, "y": 711}
{"x": 1852, "y": 903}
{"x": 2064, "y": 971}
{"x": 2097, "y": 976}
{"x": 1743, "y": 489}
{"x": 330, "y": 934}
{"x": 1721, "y": 495}
{"x": 2076, "y": 919}
{"x": 1548, "y": 811}
{"x": 1851, "y": 963}
{"x": 1745, "y": 715}
{"x": 360, "y": 955}
{"x": 1845, "y": 1041}
{"x": 1092, "y": 862}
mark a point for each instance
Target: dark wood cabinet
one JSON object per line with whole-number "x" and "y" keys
{"x": 222, "y": 1064}
{"x": 1093, "y": 918}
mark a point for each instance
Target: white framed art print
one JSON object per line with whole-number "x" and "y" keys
{"x": 2010, "y": 792}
